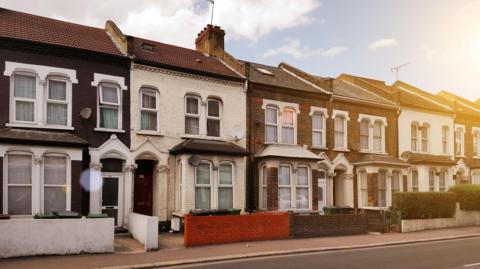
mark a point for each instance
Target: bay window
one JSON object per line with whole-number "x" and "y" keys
{"x": 57, "y": 102}
{"x": 364, "y": 188}
{"x": 431, "y": 180}
{"x": 149, "y": 109}
{"x": 318, "y": 129}
{"x": 414, "y": 184}
{"x": 288, "y": 126}
{"x": 284, "y": 187}
{"x": 271, "y": 124}
{"x": 109, "y": 107}
{"x": 301, "y": 193}
{"x": 54, "y": 183}
{"x": 19, "y": 184}
{"x": 395, "y": 184}
{"x": 364, "y": 134}
{"x": 442, "y": 181}
{"x": 203, "y": 187}
{"x": 192, "y": 115}
{"x": 263, "y": 188}
{"x": 225, "y": 186}
{"x": 24, "y": 98}
{"x": 213, "y": 118}
{"x": 382, "y": 189}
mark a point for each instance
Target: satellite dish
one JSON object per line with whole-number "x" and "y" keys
{"x": 194, "y": 160}
{"x": 238, "y": 132}
{"x": 86, "y": 113}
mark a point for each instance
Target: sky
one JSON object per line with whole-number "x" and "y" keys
{"x": 439, "y": 40}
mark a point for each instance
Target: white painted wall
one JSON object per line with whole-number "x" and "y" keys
{"x": 172, "y": 88}
{"x": 144, "y": 229}
{"x": 27, "y": 237}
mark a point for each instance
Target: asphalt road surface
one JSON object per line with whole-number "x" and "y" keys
{"x": 459, "y": 253}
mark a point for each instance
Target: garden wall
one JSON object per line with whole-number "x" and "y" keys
{"x": 314, "y": 225}
{"x": 144, "y": 229}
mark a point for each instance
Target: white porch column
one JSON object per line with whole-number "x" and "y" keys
{"x": 95, "y": 182}
{"x": 348, "y": 189}
{"x": 36, "y": 184}
{"x": 330, "y": 193}
{"x": 388, "y": 195}
{"x": 161, "y": 175}
{"x": 128, "y": 174}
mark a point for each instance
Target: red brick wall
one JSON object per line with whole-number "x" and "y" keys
{"x": 327, "y": 225}
{"x": 205, "y": 230}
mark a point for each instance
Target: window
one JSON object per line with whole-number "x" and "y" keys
{"x": 377, "y": 136}
{"x": 431, "y": 180}
{"x": 424, "y": 138}
{"x": 364, "y": 188}
{"x": 413, "y": 137}
{"x": 318, "y": 129}
{"x": 148, "y": 110}
{"x": 382, "y": 189}
{"x": 192, "y": 115}
{"x": 442, "y": 181}
{"x": 444, "y": 139}
{"x": 109, "y": 107}
{"x": 476, "y": 177}
{"x": 213, "y": 118}
{"x": 301, "y": 195}
{"x": 57, "y": 102}
{"x": 364, "y": 134}
{"x": 263, "y": 188}
{"x": 284, "y": 187}
{"x": 476, "y": 143}
{"x": 24, "y": 98}
{"x": 459, "y": 141}
{"x": 415, "y": 181}
{"x": 395, "y": 183}
{"x": 203, "y": 186}
{"x": 54, "y": 183}
{"x": 271, "y": 124}
{"x": 225, "y": 186}
{"x": 288, "y": 127}
{"x": 339, "y": 132}
{"x": 19, "y": 184}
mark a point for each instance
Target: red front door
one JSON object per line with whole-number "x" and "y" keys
{"x": 143, "y": 187}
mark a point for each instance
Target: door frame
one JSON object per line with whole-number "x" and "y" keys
{"x": 120, "y": 194}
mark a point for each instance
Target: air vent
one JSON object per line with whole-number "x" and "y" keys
{"x": 264, "y": 71}
{"x": 148, "y": 47}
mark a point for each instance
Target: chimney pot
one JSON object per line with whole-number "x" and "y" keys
{"x": 210, "y": 40}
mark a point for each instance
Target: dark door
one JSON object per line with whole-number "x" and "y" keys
{"x": 110, "y": 197}
{"x": 143, "y": 187}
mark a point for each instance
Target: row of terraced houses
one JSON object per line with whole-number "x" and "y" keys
{"x": 96, "y": 121}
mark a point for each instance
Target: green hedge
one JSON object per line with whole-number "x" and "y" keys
{"x": 425, "y": 205}
{"x": 467, "y": 195}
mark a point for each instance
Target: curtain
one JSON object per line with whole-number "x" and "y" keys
{"x": 284, "y": 175}
{"x": 191, "y": 125}
{"x": 225, "y": 197}
{"x": 317, "y": 121}
{"x": 213, "y": 108}
{"x": 288, "y": 135}
{"x": 149, "y": 100}
{"x": 57, "y": 90}
{"x": 203, "y": 174}
{"x": 302, "y": 198}
{"x": 271, "y": 133}
{"x": 284, "y": 198}
{"x": 55, "y": 199}
{"x": 225, "y": 174}
{"x": 19, "y": 169}
{"x": 148, "y": 120}
{"x": 109, "y": 117}
{"x": 19, "y": 200}
{"x": 24, "y": 86}
{"x": 317, "y": 139}
{"x": 287, "y": 117}
{"x": 19, "y": 172}
{"x": 377, "y": 136}
{"x": 202, "y": 198}
{"x": 213, "y": 127}
{"x": 110, "y": 95}
{"x": 24, "y": 111}
{"x": 271, "y": 115}
{"x": 192, "y": 105}
{"x": 57, "y": 114}
{"x": 382, "y": 189}
{"x": 55, "y": 170}
{"x": 302, "y": 188}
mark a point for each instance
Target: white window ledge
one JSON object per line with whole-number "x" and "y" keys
{"x": 372, "y": 152}
{"x": 341, "y": 149}
{"x": 23, "y": 125}
{"x": 202, "y": 137}
{"x": 151, "y": 133}
{"x": 275, "y": 143}
{"x": 109, "y": 130}
{"x": 374, "y": 207}
{"x": 318, "y": 147}
{"x": 460, "y": 156}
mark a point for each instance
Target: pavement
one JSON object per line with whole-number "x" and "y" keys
{"x": 172, "y": 252}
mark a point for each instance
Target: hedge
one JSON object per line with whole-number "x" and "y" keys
{"x": 424, "y": 205}
{"x": 467, "y": 195}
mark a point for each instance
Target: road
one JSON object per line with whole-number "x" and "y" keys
{"x": 459, "y": 253}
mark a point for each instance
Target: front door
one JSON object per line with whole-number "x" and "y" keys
{"x": 143, "y": 188}
{"x": 322, "y": 192}
{"x": 111, "y": 198}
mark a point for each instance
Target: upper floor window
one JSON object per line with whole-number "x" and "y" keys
{"x": 192, "y": 115}
{"x": 459, "y": 141}
{"x": 57, "y": 102}
{"x": 378, "y": 136}
{"x": 213, "y": 117}
{"x": 364, "y": 134}
{"x": 25, "y": 98}
{"x": 476, "y": 143}
{"x": 109, "y": 107}
{"x": 414, "y": 137}
{"x": 288, "y": 126}
{"x": 444, "y": 139}
{"x": 318, "y": 129}
{"x": 149, "y": 106}
{"x": 424, "y": 138}
{"x": 339, "y": 126}
{"x": 271, "y": 124}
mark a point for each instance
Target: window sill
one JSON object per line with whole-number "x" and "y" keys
{"x": 318, "y": 147}
{"x": 341, "y": 150}
{"x": 150, "y": 133}
{"x": 109, "y": 130}
{"x": 373, "y": 207}
{"x": 36, "y": 126}
{"x": 460, "y": 156}
{"x": 275, "y": 143}
{"x": 204, "y": 137}
{"x": 372, "y": 152}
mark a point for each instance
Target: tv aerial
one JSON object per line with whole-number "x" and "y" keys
{"x": 397, "y": 68}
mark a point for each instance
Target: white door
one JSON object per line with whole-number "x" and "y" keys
{"x": 322, "y": 193}
{"x": 111, "y": 197}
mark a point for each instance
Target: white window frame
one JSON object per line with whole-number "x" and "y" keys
{"x": 372, "y": 120}
{"x": 414, "y": 188}
{"x": 263, "y": 176}
{"x": 196, "y": 185}
{"x": 67, "y": 186}
{"x": 191, "y": 115}
{"x": 6, "y": 184}
{"x": 322, "y": 112}
{"x": 382, "y": 190}
{"x": 68, "y": 101}
{"x": 286, "y": 126}
{"x": 219, "y": 118}
{"x": 281, "y": 106}
{"x": 13, "y": 99}
{"x": 414, "y": 145}
{"x": 444, "y": 187}
{"x": 290, "y": 186}
{"x": 297, "y": 186}
{"x": 424, "y": 140}
{"x": 230, "y": 186}
{"x": 399, "y": 182}
{"x": 431, "y": 172}
{"x": 363, "y": 186}
{"x": 461, "y": 139}
{"x": 151, "y": 91}
{"x": 272, "y": 124}
{"x": 346, "y": 119}
{"x": 101, "y": 103}
{"x": 365, "y": 121}
{"x": 445, "y": 131}
{"x": 476, "y": 140}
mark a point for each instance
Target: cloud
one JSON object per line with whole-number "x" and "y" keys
{"x": 294, "y": 48}
{"x": 383, "y": 43}
{"x": 179, "y": 21}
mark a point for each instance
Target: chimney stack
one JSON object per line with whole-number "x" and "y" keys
{"x": 211, "y": 40}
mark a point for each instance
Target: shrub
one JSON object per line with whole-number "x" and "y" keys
{"x": 425, "y": 205}
{"x": 468, "y": 196}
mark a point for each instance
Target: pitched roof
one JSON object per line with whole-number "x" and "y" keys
{"x": 411, "y": 96}
{"x": 460, "y": 104}
{"x": 280, "y": 77}
{"x": 208, "y": 146}
{"x": 27, "y": 27}
{"x": 422, "y": 158}
{"x": 370, "y": 159}
{"x": 287, "y": 151}
{"x": 377, "y": 86}
{"x": 178, "y": 57}
{"x": 349, "y": 90}
{"x": 37, "y": 137}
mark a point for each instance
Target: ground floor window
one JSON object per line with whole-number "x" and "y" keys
{"x": 293, "y": 192}
{"x": 431, "y": 180}
{"x": 301, "y": 195}
{"x": 225, "y": 186}
{"x": 414, "y": 183}
{"x": 19, "y": 184}
{"x": 55, "y": 183}
{"x": 364, "y": 188}
{"x": 263, "y": 188}
{"x": 442, "y": 181}
{"x": 214, "y": 190}
{"x": 382, "y": 188}
{"x": 284, "y": 187}
{"x": 203, "y": 186}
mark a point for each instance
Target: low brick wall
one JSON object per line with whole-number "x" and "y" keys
{"x": 314, "y": 225}
{"x": 205, "y": 230}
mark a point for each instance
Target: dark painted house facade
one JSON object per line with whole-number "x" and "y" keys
{"x": 64, "y": 103}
